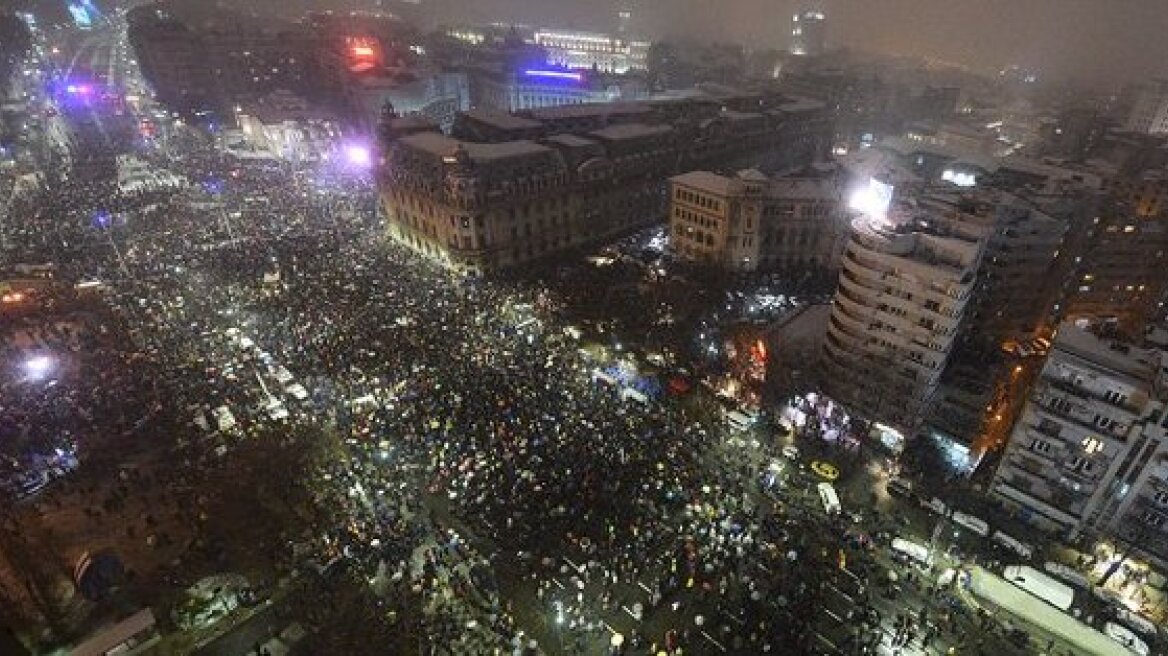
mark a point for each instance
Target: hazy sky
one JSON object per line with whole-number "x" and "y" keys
{"x": 1058, "y": 37}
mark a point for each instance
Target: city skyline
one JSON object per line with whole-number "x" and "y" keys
{"x": 1057, "y": 38}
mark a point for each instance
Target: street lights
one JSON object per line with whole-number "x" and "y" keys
{"x": 39, "y": 367}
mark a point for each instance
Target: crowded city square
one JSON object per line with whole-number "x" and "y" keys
{"x": 487, "y": 489}
{"x": 244, "y": 410}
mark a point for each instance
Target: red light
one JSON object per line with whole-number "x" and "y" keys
{"x": 362, "y": 51}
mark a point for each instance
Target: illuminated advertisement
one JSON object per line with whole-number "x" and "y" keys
{"x": 364, "y": 53}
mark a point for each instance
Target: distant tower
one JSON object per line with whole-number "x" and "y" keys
{"x": 808, "y": 33}
{"x": 624, "y": 17}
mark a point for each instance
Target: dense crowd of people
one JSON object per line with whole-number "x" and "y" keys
{"x": 490, "y": 486}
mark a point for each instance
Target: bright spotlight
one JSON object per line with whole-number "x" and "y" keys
{"x": 873, "y": 199}
{"x": 39, "y": 366}
{"x": 358, "y": 155}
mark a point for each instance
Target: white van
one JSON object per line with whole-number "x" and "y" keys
{"x": 917, "y": 552}
{"x": 975, "y": 524}
{"x": 1047, "y": 588}
{"x": 297, "y": 391}
{"x": 1136, "y": 621}
{"x": 1013, "y": 544}
{"x": 935, "y": 506}
{"x": 830, "y": 499}
{"x": 1127, "y": 638}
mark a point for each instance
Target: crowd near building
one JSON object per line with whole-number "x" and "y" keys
{"x": 969, "y": 236}
{"x": 506, "y": 189}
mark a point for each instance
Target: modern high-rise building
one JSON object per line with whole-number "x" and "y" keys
{"x": 750, "y": 222}
{"x": 1149, "y": 113}
{"x": 507, "y": 189}
{"x": 1018, "y": 283}
{"x": 1089, "y": 454}
{"x": 624, "y": 20}
{"x": 1119, "y": 267}
{"x": 903, "y": 289}
{"x": 808, "y": 33}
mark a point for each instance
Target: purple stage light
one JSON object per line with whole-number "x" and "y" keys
{"x": 358, "y": 155}
{"x": 558, "y": 75}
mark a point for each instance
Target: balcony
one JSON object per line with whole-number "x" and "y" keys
{"x": 857, "y": 287}
{"x": 1043, "y": 465}
{"x": 1076, "y": 412}
{"x": 854, "y": 307}
{"x": 1064, "y": 385}
{"x": 852, "y": 330}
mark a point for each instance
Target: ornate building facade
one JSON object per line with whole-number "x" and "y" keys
{"x": 498, "y": 193}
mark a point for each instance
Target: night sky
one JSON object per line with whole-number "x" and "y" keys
{"x": 1090, "y": 38}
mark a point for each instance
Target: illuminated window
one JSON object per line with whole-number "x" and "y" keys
{"x": 1129, "y": 228}
{"x": 1092, "y": 445}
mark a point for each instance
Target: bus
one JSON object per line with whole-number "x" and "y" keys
{"x": 975, "y": 524}
{"x": 1127, "y": 638}
{"x": 1013, "y": 544}
{"x": 917, "y": 552}
{"x": 830, "y": 499}
{"x": 1046, "y": 588}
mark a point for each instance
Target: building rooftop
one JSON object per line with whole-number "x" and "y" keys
{"x": 732, "y": 115}
{"x": 444, "y": 146}
{"x": 586, "y": 110}
{"x": 502, "y": 120}
{"x": 939, "y": 254}
{"x": 803, "y": 188}
{"x": 801, "y": 105}
{"x": 706, "y": 181}
{"x": 630, "y": 131}
{"x": 413, "y": 121}
{"x": 1116, "y": 356}
{"x": 281, "y": 106}
{"x": 791, "y": 187}
{"x": 570, "y": 140}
